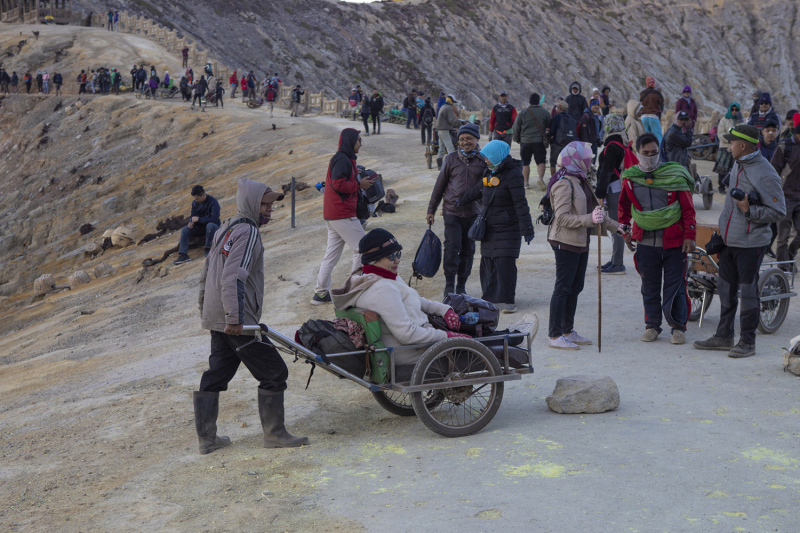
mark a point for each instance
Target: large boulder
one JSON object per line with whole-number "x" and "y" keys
{"x": 584, "y": 394}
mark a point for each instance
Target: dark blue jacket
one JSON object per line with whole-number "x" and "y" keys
{"x": 208, "y": 211}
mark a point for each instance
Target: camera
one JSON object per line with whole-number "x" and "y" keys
{"x": 753, "y": 197}
{"x": 737, "y": 194}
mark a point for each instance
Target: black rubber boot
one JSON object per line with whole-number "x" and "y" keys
{"x": 449, "y": 285}
{"x": 270, "y": 409}
{"x": 206, "y": 408}
{"x": 439, "y": 164}
{"x": 461, "y": 286}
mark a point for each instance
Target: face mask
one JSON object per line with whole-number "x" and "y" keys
{"x": 263, "y": 220}
{"x": 648, "y": 163}
{"x": 491, "y": 166}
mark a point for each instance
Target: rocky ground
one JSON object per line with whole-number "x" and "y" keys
{"x": 96, "y": 423}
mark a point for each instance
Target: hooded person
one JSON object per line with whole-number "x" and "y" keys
{"x": 461, "y": 171}
{"x": 633, "y": 122}
{"x": 507, "y": 220}
{"x": 688, "y": 104}
{"x": 231, "y": 296}
{"x": 576, "y": 101}
{"x": 427, "y": 116}
{"x": 576, "y": 211}
{"x": 403, "y": 313}
{"x": 677, "y": 140}
{"x": 340, "y": 211}
{"x": 611, "y": 164}
{"x": 765, "y": 113}
{"x": 788, "y": 131}
{"x": 724, "y": 160}
{"x": 656, "y": 199}
{"x": 652, "y": 106}
{"x": 376, "y": 105}
{"x": 563, "y": 130}
{"x": 786, "y": 162}
{"x": 745, "y": 230}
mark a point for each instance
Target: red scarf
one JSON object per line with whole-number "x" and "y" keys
{"x": 382, "y": 272}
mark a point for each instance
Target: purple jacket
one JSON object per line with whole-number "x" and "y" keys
{"x": 690, "y": 107}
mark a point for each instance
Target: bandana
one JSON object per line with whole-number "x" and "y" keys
{"x": 649, "y": 163}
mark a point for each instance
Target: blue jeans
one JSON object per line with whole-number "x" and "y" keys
{"x": 652, "y": 125}
{"x": 197, "y": 231}
{"x": 411, "y": 114}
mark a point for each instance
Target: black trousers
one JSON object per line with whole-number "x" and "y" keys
{"x": 262, "y": 360}
{"x": 738, "y": 271}
{"x": 365, "y": 120}
{"x": 570, "y": 276}
{"x": 499, "y": 279}
{"x": 426, "y": 129}
{"x": 459, "y": 249}
{"x": 653, "y": 263}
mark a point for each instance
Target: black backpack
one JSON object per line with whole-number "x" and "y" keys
{"x": 429, "y": 256}
{"x": 322, "y": 338}
{"x": 427, "y": 116}
{"x": 567, "y": 131}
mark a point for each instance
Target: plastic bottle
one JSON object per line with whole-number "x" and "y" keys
{"x": 469, "y": 318}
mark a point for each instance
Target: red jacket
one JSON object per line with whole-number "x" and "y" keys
{"x": 341, "y": 183}
{"x": 234, "y": 80}
{"x": 244, "y": 83}
{"x": 674, "y": 235}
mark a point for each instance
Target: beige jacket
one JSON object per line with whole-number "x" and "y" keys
{"x": 571, "y": 221}
{"x": 724, "y": 125}
{"x": 633, "y": 124}
{"x": 232, "y": 281}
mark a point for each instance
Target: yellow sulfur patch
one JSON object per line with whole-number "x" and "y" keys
{"x": 736, "y": 514}
{"x": 540, "y": 469}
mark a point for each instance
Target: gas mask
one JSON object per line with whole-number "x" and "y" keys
{"x": 649, "y": 163}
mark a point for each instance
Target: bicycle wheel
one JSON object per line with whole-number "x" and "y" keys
{"x": 399, "y": 403}
{"x": 773, "y": 282}
{"x": 464, "y": 409}
{"x": 696, "y": 299}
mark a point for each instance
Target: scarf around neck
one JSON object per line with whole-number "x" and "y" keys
{"x": 670, "y": 176}
{"x": 382, "y": 272}
{"x": 466, "y": 157}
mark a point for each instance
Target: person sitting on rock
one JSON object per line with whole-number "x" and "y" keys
{"x": 403, "y": 312}
{"x": 204, "y": 223}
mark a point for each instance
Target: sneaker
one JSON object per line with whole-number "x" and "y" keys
{"x": 771, "y": 254}
{"x": 742, "y": 350}
{"x": 607, "y": 265}
{"x": 509, "y": 309}
{"x": 650, "y": 335}
{"x": 182, "y": 258}
{"x": 318, "y": 299}
{"x": 714, "y": 343}
{"x": 614, "y": 270}
{"x": 562, "y": 343}
{"x": 678, "y": 337}
{"x": 574, "y": 338}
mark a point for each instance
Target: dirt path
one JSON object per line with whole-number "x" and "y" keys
{"x": 96, "y": 426}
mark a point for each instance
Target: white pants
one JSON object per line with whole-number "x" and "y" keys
{"x": 340, "y": 232}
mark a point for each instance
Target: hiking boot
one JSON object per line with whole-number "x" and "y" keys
{"x": 449, "y": 288}
{"x": 321, "y": 298}
{"x": 461, "y": 289}
{"x": 678, "y": 337}
{"x": 509, "y": 309}
{"x": 614, "y": 270}
{"x": 562, "y": 343}
{"x": 574, "y": 338}
{"x": 182, "y": 258}
{"x": 714, "y": 343}
{"x": 271, "y": 412}
{"x": 742, "y": 350}
{"x": 650, "y": 335}
{"x": 206, "y": 409}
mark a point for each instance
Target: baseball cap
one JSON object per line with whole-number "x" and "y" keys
{"x": 503, "y": 93}
{"x": 683, "y": 115}
{"x": 453, "y": 98}
{"x": 742, "y": 132}
{"x": 273, "y": 196}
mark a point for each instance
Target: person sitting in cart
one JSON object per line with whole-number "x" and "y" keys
{"x": 744, "y": 226}
{"x": 403, "y": 312}
{"x": 658, "y": 197}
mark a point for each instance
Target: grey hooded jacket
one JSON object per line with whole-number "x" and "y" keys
{"x": 232, "y": 282}
{"x": 753, "y": 173}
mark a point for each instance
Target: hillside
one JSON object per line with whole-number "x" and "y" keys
{"x": 723, "y": 48}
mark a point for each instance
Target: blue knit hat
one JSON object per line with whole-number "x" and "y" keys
{"x": 765, "y": 99}
{"x": 496, "y": 151}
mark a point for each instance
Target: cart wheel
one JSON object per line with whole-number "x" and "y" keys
{"x": 399, "y": 403}
{"x": 773, "y": 312}
{"x": 429, "y": 158}
{"x": 462, "y": 410}
{"x": 700, "y": 153}
{"x": 138, "y": 95}
{"x": 707, "y": 191}
{"x": 696, "y": 299}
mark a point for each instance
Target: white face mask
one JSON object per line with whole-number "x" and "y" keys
{"x": 649, "y": 163}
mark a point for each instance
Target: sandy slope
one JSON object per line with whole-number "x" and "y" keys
{"x": 96, "y": 426}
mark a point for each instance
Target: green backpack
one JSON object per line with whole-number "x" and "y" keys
{"x": 380, "y": 369}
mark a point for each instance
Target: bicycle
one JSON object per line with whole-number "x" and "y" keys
{"x": 147, "y": 92}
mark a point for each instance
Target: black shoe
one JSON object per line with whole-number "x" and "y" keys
{"x": 271, "y": 412}
{"x": 182, "y": 258}
{"x": 742, "y": 350}
{"x": 206, "y": 409}
{"x": 460, "y": 289}
{"x": 771, "y": 254}
{"x": 449, "y": 288}
{"x": 607, "y": 265}
{"x": 714, "y": 343}
{"x": 319, "y": 300}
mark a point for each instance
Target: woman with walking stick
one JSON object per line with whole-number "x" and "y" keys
{"x": 576, "y": 213}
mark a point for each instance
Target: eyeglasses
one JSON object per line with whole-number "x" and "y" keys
{"x": 395, "y": 255}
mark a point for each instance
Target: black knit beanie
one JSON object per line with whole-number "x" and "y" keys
{"x": 470, "y": 129}
{"x": 378, "y": 238}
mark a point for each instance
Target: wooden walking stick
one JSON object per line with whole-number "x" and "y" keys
{"x": 599, "y": 293}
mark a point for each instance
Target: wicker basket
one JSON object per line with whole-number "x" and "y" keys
{"x": 104, "y": 269}
{"x": 122, "y": 236}
{"x": 44, "y": 284}
{"x": 78, "y": 278}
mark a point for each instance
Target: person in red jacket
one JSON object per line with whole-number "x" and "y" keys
{"x": 339, "y": 211}
{"x": 234, "y": 82}
{"x": 244, "y": 87}
{"x": 658, "y": 198}
{"x": 502, "y": 119}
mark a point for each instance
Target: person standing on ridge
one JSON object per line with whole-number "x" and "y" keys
{"x": 231, "y": 296}
{"x": 576, "y": 101}
{"x": 297, "y": 95}
{"x": 744, "y": 227}
{"x": 530, "y": 131}
{"x": 652, "y": 106}
{"x": 365, "y": 111}
{"x": 340, "y": 211}
{"x": 376, "y": 109}
{"x": 502, "y": 120}
{"x": 185, "y": 57}
{"x": 461, "y": 171}
{"x": 658, "y": 198}
{"x": 688, "y": 104}
{"x": 410, "y": 104}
